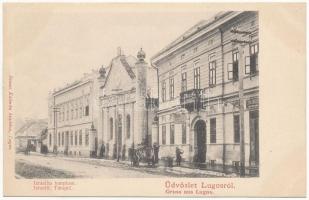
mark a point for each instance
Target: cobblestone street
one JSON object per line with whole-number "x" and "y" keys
{"x": 50, "y": 166}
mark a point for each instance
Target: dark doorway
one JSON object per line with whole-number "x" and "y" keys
{"x": 200, "y": 133}
{"x": 254, "y": 139}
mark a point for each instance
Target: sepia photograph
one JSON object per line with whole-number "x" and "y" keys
{"x": 188, "y": 110}
{"x": 101, "y": 92}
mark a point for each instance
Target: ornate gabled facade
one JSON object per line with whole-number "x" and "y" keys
{"x": 124, "y": 119}
{"x": 199, "y": 86}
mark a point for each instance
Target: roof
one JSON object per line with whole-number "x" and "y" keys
{"x": 127, "y": 62}
{"x": 32, "y": 128}
{"x": 201, "y": 25}
{"x": 127, "y": 67}
{"x": 84, "y": 79}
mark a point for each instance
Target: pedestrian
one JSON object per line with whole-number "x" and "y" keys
{"x": 156, "y": 152}
{"x": 102, "y": 151}
{"x": 123, "y": 153}
{"x": 131, "y": 154}
{"x": 178, "y": 155}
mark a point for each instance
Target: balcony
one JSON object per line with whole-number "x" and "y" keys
{"x": 152, "y": 103}
{"x": 191, "y": 99}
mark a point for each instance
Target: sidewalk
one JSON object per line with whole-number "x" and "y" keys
{"x": 176, "y": 171}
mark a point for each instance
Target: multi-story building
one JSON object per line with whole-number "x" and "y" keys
{"x": 73, "y": 116}
{"x": 199, "y": 92}
{"x": 127, "y": 112}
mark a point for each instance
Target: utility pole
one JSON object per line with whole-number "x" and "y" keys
{"x": 240, "y": 43}
{"x": 55, "y": 111}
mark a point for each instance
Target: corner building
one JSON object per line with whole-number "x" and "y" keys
{"x": 199, "y": 93}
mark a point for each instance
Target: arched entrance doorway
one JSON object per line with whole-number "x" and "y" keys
{"x": 200, "y": 135}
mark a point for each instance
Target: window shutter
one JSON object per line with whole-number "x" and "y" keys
{"x": 247, "y": 65}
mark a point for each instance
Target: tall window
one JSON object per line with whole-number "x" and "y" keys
{"x": 111, "y": 127}
{"x": 196, "y": 76}
{"x": 62, "y": 138}
{"x": 184, "y": 81}
{"x": 68, "y": 114}
{"x": 58, "y": 138}
{"x": 86, "y": 137}
{"x": 163, "y": 91}
{"x": 212, "y": 73}
{"x": 172, "y": 134}
{"x": 76, "y": 111}
{"x": 75, "y": 138}
{"x": 163, "y": 134}
{"x": 233, "y": 67}
{"x": 252, "y": 60}
{"x": 63, "y": 114}
{"x": 213, "y": 137}
{"x": 80, "y": 137}
{"x": 71, "y": 138}
{"x": 172, "y": 88}
{"x": 128, "y": 121}
{"x": 50, "y": 139}
{"x": 236, "y": 129}
{"x": 87, "y": 110}
{"x": 184, "y": 133}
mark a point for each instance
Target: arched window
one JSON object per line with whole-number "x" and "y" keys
{"x": 111, "y": 127}
{"x": 80, "y": 137}
{"x": 62, "y": 138}
{"x": 128, "y": 121}
{"x": 87, "y": 137}
{"x": 75, "y": 137}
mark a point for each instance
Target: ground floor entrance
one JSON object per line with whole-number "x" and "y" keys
{"x": 254, "y": 139}
{"x": 200, "y": 147}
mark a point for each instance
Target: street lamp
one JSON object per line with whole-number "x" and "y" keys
{"x": 55, "y": 111}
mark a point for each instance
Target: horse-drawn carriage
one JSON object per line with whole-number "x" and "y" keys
{"x": 142, "y": 154}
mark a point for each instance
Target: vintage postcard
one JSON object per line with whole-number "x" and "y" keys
{"x": 175, "y": 100}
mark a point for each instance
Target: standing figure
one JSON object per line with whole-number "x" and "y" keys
{"x": 156, "y": 152}
{"x": 178, "y": 155}
{"x": 102, "y": 151}
{"x": 130, "y": 153}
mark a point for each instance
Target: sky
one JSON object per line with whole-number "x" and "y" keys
{"x": 47, "y": 46}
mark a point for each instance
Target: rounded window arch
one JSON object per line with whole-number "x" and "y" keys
{"x": 128, "y": 126}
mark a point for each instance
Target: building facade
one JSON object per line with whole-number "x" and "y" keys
{"x": 30, "y": 134}
{"x": 199, "y": 92}
{"x": 73, "y": 116}
{"x": 127, "y": 112}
